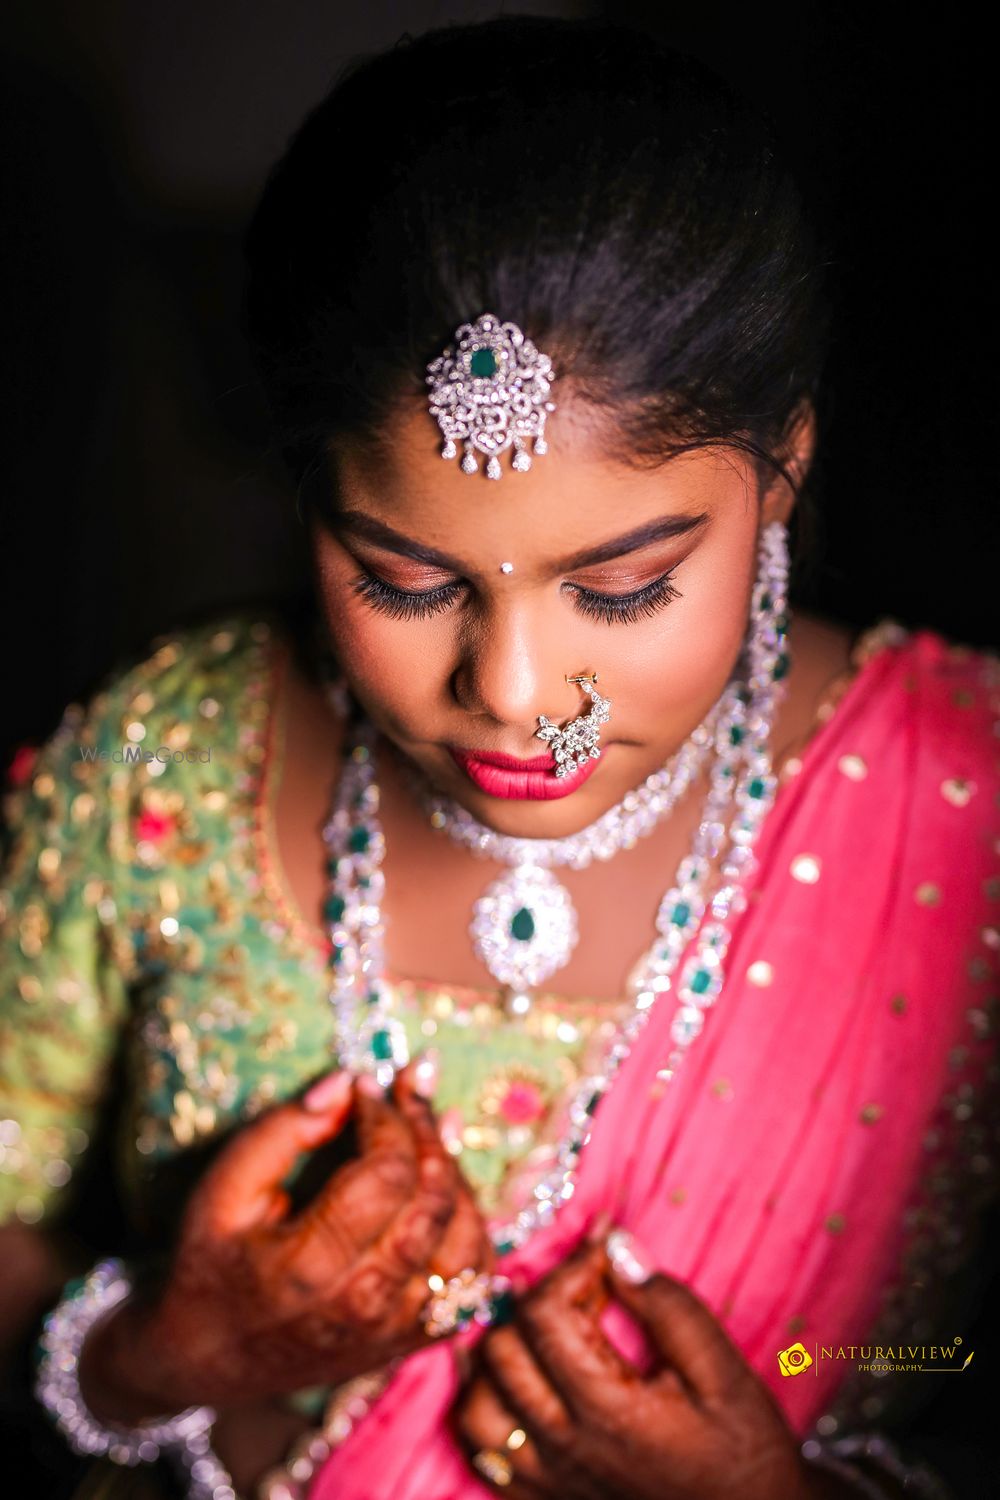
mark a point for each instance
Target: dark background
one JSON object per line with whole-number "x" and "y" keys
{"x": 138, "y": 493}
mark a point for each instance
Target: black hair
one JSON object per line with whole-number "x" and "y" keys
{"x": 608, "y": 193}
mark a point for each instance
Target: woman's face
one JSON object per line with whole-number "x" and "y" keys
{"x": 444, "y": 648}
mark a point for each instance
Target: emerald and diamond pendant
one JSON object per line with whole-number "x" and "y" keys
{"x": 524, "y": 927}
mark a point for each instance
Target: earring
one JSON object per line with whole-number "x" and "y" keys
{"x": 578, "y": 740}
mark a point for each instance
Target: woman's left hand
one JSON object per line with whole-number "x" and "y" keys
{"x": 700, "y": 1426}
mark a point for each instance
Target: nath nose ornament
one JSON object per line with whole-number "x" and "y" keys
{"x": 579, "y": 740}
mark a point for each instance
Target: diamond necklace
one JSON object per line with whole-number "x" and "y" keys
{"x": 525, "y": 927}
{"x": 369, "y": 1038}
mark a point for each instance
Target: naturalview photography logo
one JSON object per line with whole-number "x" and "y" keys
{"x": 878, "y": 1360}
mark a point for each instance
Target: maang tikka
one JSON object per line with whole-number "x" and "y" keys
{"x": 490, "y": 391}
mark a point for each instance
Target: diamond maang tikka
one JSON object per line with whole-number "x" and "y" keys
{"x": 579, "y": 740}
{"x": 489, "y": 391}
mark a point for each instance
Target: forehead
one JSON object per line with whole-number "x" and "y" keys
{"x": 577, "y": 492}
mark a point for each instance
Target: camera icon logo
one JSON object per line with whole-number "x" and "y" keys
{"x": 794, "y": 1359}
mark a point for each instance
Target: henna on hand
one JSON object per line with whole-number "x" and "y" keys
{"x": 260, "y": 1301}
{"x": 700, "y": 1425}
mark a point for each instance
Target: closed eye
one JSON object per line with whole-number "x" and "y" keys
{"x": 614, "y": 609}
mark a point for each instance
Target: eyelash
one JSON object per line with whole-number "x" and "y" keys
{"x": 614, "y": 609}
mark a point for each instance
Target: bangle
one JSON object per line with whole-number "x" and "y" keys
{"x": 57, "y": 1384}
{"x": 881, "y": 1457}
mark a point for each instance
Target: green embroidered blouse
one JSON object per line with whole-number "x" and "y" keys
{"x": 156, "y": 982}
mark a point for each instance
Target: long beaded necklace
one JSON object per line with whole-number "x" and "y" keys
{"x": 369, "y": 1038}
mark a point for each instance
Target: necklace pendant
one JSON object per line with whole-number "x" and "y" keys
{"x": 516, "y": 1003}
{"x": 524, "y": 927}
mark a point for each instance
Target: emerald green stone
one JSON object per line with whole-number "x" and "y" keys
{"x": 334, "y": 908}
{"x": 502, "y": 1307}
{"x": 483, "y": 363}
{"x": 522, "y": 925}
{"x": 700, "y": 981}
{"x": 756, "y": 787}
{"x": 372, "y": 997}
{"x": 736, "y": 734}
{"x": 592, "y": 1103}
{"x": 336, "y": 954}
{"x": 781, "y": 666}
{"x": 364, "y": 881}
{"x": 382, "y": 1046}
{"x": 680, "y": 914}
{"x": 505, "y": 1247}
{"x": 766, "y": 599}
{"x": 358, "y": 840}
{"x": 464, "y": 1315}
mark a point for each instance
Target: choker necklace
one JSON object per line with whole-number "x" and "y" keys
{"x": 524, "y": 927}
{"x": 369, "y": 1038}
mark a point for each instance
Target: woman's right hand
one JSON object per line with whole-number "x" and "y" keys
{"x": 260, "y": 1302}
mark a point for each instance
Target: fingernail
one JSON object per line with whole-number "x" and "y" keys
{"x": 600, "y": 1226}
{"x": 425, "y": 1073}
{"x": 326, "y": 1092}
{"x": 627, "y": 1259}
{"x": 368, "y": 1084}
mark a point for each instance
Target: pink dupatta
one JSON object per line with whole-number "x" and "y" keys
{"x": 772, "y": 1175}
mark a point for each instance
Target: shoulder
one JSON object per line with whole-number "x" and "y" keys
{"x": 198, "y": 671}
{"x": 920, "y": 685}
{"x": 947, "y": 706}
{"x": 930, "y": 731}
{"x": 166, "y": 731}
{"x": 172, "y": 672}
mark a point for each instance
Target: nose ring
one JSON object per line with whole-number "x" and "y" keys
{"x": 579, "y": 740}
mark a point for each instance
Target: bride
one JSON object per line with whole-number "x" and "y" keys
{"x": 563, "y": 1108}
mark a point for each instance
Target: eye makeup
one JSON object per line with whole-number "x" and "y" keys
{"x": 614, "y": 609}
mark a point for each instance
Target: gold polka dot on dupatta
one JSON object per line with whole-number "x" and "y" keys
{"x": 958, "y": 791}
{"x": 760, "y": 973}
{"x": 870, "y": 1113}
{"x": 927, "y": 893}
{"x": 854, "y": 767}
{"x": 835, "y": 1223}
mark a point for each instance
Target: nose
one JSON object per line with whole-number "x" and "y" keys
{"x": 508, "y": 670}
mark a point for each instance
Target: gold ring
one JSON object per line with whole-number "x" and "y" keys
{"x": 494, "y": 1466}
{"x": 516, "y": 1439}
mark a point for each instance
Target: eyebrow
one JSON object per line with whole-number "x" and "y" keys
{"x": 356, "y": 522}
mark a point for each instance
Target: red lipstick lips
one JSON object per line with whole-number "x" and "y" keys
{"x": 514, "y": 779}
{"x": 511, "y": 762}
